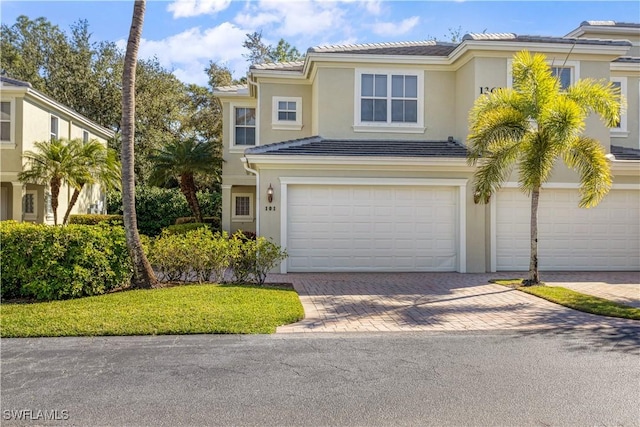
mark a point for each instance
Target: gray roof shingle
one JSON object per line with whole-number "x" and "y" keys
{"x": 609, "y": 24}
{"x": 318, "y": 146}
{"x": 417, "y": 48}
{"x": 628, "y": 60}
{"x": 510, "y": 37}
{"x": 14, "y": 82}
{"x": 625, "y": 153}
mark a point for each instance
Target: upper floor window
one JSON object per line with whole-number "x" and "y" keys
{"x": 54, "y": 127}
{"x": 245, "y": 126}
{"x": 391, "y": 100}
{"x": 621, "y": 127}
{"x": 5, "y": 121}
{"x": 564, "y": 76}
{"x": 287, "y": 113}
{"x": 85, "y": 136}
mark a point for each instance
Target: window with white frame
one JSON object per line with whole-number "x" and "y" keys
{"x": 29, "y": 204}
{"x": 567, "y": 73}
{"x": 620, "y": 83}
{"x": 286, "y": 113}
{"x": 5, "y": 121}
{"x": 85, "y": 136}
{"x": 244, "y": 126}
{"x": 391, "y": 99}
{"x": 242, "y": 207}
{"x": 54, "y": 127}
{"x": 564, "y": 76}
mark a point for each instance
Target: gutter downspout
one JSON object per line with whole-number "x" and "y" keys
{"x": 245, "y": 163}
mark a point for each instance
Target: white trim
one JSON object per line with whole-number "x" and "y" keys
{"x": 458, "y": 163}
{"x": 493, "y": 237}
{"x": 389, "y": 126}
{"x": 11, "y": 143}
{"x": 276, "y": 123}
{"x": 461, "y": 183}
{"x": 621, "y": 131}
{"x": 57, "y": 133}
{"x": 573, "y": 185}
{"x": 233, "y": 148}
{"x": 245, "y": 164}
{"x": 242, "y": 218}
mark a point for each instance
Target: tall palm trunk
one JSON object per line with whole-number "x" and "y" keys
{"x": 72, "y": 203}
{"x": 534, "y": 277}
{"x": 188, "y": 188}
{"x": 143, "y": 276}
{"x": 55, "y": 192}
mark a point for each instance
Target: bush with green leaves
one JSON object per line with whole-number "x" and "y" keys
{"x": 50, "y": 263}
{"x": 157, "y": 208}
{"x": 252, "y": 259}
{"x": 94, "y": 219}
{"x": 185, "y": 228}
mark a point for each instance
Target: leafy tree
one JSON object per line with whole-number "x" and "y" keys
{"x": 284, "y": 52}
{"x": 102, "y": 167}
{"x": 259, "y": 52}
{"x": 143, "y": 275}
{"x": 54, "y": 163}
{"x": 182, "y": 159}
{"x": 533, "y": 125}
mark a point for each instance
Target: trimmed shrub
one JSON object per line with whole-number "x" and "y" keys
{"x": 185, "y": 228}
{"x": 158, "y": 208}
{"x": 50, "y": 263}
{"x": 214, "y": 221}
{"x": 253, "y": 259}
{"x": 95, "y": 219}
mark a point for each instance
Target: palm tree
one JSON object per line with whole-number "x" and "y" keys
{"x": 143, "y": 276}
{"x": 533, "y": 125}
{"x": 54, "y": 163}
{"x": 182, "y": 159}
{"x": 102, "y": 166}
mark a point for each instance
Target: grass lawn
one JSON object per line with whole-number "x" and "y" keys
{"x": 576, "y": 300}
{"x": 187, "y": 309}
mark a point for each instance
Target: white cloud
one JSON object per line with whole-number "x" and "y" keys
{"x": 374, "y": 7}
{"x": 252, "y": 20}
{"x": 189, "y": 52}
{"x": 187, "y": 8}
{"x": 395, "y": 28}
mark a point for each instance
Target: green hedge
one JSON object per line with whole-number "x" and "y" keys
{"x": 157, "y": 208}
{"x": 95, "y": 219}
{"x": 184, "y": 228}
{"x": 47, "y": 263}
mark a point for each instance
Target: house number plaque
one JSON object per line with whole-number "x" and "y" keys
{"x": 269, "y": 208}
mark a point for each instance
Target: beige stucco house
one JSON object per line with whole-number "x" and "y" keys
{"x": 354, "y": 159}
{"x": 28, "y": 116}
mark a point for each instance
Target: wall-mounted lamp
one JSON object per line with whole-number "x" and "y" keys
{"x": 270, "y": 193}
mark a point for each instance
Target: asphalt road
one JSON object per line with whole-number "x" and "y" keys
{"x": 558, "y": 378}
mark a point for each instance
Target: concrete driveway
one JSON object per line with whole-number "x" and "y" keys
{"x": 359, "y": 302}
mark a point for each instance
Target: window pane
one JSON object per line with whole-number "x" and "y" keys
{"x": 282, "y": 115}
{"x": 618, "y": 87}
{"x": 250, "y": 116}
{"x": 291, "y": 116}
{"x": 5, "y": 111}
{"x": 411, "y": 86}
{"x": 564, "y": 75}
{"x": 28, "y": 203}
{"x": 411, "y": 111}
{"x": 241, "y": 138}
{"x": 397, "y": 86}
{"x": 366, "y": 110}
{"x": 5, "y": 131}
{"x": 381, "y": 85}
{"x": 240, "y": 116}
{"x": 54, "y": 125}
{"x": 242, "y": 206}
{"x": 397, "y": 113}
{"x": 291, "y": 106}
{"x": 85, "y": 136}
{"x": 367, "y": 85}
{"x": 380, "y": 110}
{"x": 251, "y": 136}
{"x": 282, "y": 105}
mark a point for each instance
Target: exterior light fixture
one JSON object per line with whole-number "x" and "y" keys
{"x": 270, "y": 194}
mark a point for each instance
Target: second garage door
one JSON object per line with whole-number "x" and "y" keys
{"x": 371, "y": 228}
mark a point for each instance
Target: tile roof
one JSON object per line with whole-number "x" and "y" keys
{"x": 318, "y": 146}
{"x": 280, "y": 66}
{"x": 609, "y": 24}
{"x": 510, "y": 37}
{"x": 14, "y": 82}
{"x": 628, "y": 59}
{"x": 231, "y": 88}
{"x": 426, "y": 48}
{"x": 624, "y": 153}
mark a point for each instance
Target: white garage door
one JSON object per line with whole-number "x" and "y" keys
{"x": 606, "y": 237}
{"x": 371, "y": 228}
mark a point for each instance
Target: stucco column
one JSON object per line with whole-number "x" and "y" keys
{"x": 16, "y": 201}
{"x": 226, "y": 208}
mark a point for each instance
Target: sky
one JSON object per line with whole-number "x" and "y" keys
{"x": 186, "y": 34}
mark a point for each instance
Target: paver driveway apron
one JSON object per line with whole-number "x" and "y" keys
{"x": 359, "y": 302}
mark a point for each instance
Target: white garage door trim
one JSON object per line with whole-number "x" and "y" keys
{"x": 557, "y": 185}
{"x": 461, "y": 184}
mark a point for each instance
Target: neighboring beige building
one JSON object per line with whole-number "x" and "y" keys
{"x": 354, "y": 159}
{"x": 28, "y": 116}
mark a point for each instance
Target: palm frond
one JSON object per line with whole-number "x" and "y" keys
{"x": 588, "y": 158}
{"x": 494, "y": 170}
{"x": 600, "y": 97}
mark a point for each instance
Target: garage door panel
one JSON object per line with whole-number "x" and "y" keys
{"x": 372, "y": 228}
{"x": 606, "y": 237}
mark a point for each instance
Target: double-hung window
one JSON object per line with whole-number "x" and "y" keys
{"x": 620, "y": 130}
{"x": 391, "y": 100}
{"x": 244, "y": 126}
{"x": 6, "y": 115}
{"x": 85, "y": 136}
{"x": 287, "y": 113}
{"x": 564, "y": 76}
{"x": 54, "y": 127}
